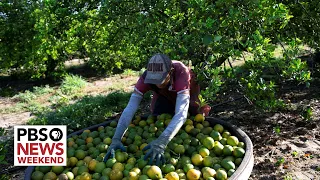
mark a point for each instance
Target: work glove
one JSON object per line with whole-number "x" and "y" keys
{"x": 124, "y": 121}
{"x": 158, "y": 146}
{"x": 156, "y": 151}
{"x": 116, "y": 144}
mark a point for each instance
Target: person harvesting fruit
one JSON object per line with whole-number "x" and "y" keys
{"x": 175, "y": 91}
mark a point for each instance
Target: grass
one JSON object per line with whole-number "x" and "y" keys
{"x": 77, "y": 102}
{"x": 85, "y": 112}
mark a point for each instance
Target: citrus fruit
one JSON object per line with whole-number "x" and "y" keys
{"x": 132, "y": 161}
{"x": 221, "y": 174}
{"x": 204, "y": 152}
{"x": 110, "y": 162}
{"x": 172, "y": 176}
{"x": 87, "y": 159}
{"x": 143, "y": 177}
{"x": 50, "y": 176}
{"x": 44, "y": 169}
{"x": 208, "y": 172}
{"x": 128, "y": 166}
{"x": 216, "y": 166}
{"x": 231, "y": 158}
{"x": 187, "y": 167}
{"x": 216, "y": 135}
{"x": 80, "y": 163}
{"x": 120, "y": 156}
{"x": 37, "y": 175}
{"x": 118, "y": 166}
{"x": 230, "y": 172}
{"x": 227, "y": 150}
{"x": 226, "y": 134}
{"x": 145, "y": 169}
{"x": 188, "y": 128}
{"x": 106, "y": 172}
{"x": 75, "y": 170}
{"x": 141, "y": 163}
{"x": 173, "y": 161}
{"x": 241, "y": 144}
{"x": 227, "y": 164}
{"x": 137, "y": 170}
{"x": 63, "y": 176}
{"x": 89, "y": 140}
{"x": 179, "y": 149}
{"x": 113, "y": 124}
{"x": 208, "y": 161}
{"x": 207, "y": 130}
{"x": 116, "y": 175}
{"x": 217, "y": 149}
{"x": 223, "y": 141}
{"x": 82, "y": 169}
{"x": 218, "y": 127}
{"x": 142, "y": 123}
{"x": 193, "y": 174}
{"x": 205, "y": 124}
{"x": 133, "y": 176}
{"x": 80, "y": 154}
{"x": 238, "y": 152}
{"x": 199, "y": 118}
{"x": 232, "y": 141}
{"x": 104, "y": 178}
{"x": 70, "y": 175}
{"x": 168, "y": 168}
{"x": 197, "y": 159}
{"x": 107, "y": 141}
{"x": 238, "y": 161}
{"x": 96, "y": 176}
{"x": 185, "y": 160}
{"x": 154, "y": 172}
{"x": 132, "y": 148}
{"x": 57, "y": 169}
{"x": 208, "y": 142}
{"x": 199, "y": 126}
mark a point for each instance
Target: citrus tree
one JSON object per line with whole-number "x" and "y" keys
{"x": 37, "y": 37}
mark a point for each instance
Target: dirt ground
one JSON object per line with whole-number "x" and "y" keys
{"x": 290, "y": 151}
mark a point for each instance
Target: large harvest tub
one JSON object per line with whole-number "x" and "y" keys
{"x": 243, "y": 171}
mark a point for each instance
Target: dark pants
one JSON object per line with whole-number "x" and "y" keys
{"x": 163, "y": 105}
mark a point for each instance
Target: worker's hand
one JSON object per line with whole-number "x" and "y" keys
{"x": 205, "y": 110}
{"x": 116, "y": 144}
{"x": 155, "y": 152}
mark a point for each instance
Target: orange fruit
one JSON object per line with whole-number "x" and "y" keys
{"x": 57, "y": 169}
{"x": 87, "y": 159}
{"x": 89, "y": 140}
{"x": 193, "y": 174}
{"x": 92, "y": 164}
{"x": 154, "y": 172}
{"x": 172, "y": 176}
{"x": 232, "y": 141}
{"x": 118, "y": 166}
{"x": 50, "y": 176}
{"x": 197, "y": 159}
{"x": 100, "y": 128}
{"x": 99, "y": 167}
{"x": 37, "y": 175}
{"x": 199, "y": 118}
{"x": 218, "y": 127}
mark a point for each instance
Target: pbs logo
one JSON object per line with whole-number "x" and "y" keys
{"x": 56, "y": 134}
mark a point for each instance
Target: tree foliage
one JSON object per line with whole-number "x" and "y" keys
{"x": 37, "y": 37}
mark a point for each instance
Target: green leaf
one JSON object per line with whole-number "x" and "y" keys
{"x": 207, "y": 39}
{"x": 217, "y": 38}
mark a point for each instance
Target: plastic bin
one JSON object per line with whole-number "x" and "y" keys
{"x": 243, "y": 171}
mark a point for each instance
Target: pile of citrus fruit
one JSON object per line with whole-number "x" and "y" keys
{"x": 198, "y": 151}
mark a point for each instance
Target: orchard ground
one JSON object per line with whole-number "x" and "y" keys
{"x": 286, "y": 145}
